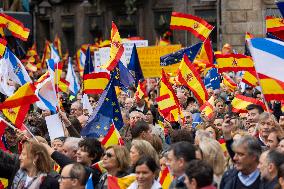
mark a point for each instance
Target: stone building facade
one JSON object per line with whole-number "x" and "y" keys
{"x": 81, "y": 21}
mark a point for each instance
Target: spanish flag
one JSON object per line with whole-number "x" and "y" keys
{"x": 116, "y": 49}
{"x": 112, "y": 137}
{"x": 197, "y": 26}
{"x": 228, "y": 81}
{"x": 57, "y": 45}
{"x": 188, "y": 76}
{"x": 250, "y": 78}
{"x": 240, "y": 103}
{"x": 3, "y": 44}
{"x": 206, "y": 53}
{"x": 274, "y": 24}
{"x": 25, "y": 95}
{"x": 272, "y": 89}
{"x": 95, "y": 83}
{"x": 208, "y": 109}
{"x": 141, "y": 91}
{"x": 31, "y": 67}
{"x": 99, "y": 167}
{"x": 234, "y": 62}
{"x": 3, "y": 183}
{"x": 165, "y": 178}
{"x": 168, "y": 104}
{"x": 248, "y": 36}
{"x": 61, "y": 85}
{"x": 16, "y": 27}
{"x": 45, "y": 55}
{"x": 120, "y": 183}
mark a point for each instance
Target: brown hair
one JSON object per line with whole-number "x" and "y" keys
{"x": 43, "y": 161}
{"x": 122, "y": 156}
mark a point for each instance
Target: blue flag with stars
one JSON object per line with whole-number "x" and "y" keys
{"x": 89, "y": 67}
{"x": 176, "y": 57}
{"x": 134, "y": 65}
{"x": 212, "y": 79}
{"x": 106, "y": 112}
{"x": 122, "y": 77}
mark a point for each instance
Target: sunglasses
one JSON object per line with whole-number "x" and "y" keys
{"x": 109, "y": 155}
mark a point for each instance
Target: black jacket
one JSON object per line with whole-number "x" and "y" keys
{"x": 63, "y": 160}
{"x": 10, "y": 164}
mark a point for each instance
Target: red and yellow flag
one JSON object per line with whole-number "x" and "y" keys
{"x": 228, "y": 81}
{"x": 112, "y": 137}
{"x": 274, "y": 24}
{"x": 57, "y": 45}
{"x": 206, "y": 53}
{"x": 248, "y": 36}
{"x": 188, "y": 76}
{"x": 234, "y": 62}
{"x": 3, "y": 183}
{"x": 120, "y": 183}
{"x": 31, "y": 67}
{"x": 3, "y": 44}
{"x": 250, "y": 78}
{"x": 197, "y": 26}
{"x": 95, "y": 83}
{"x": 25, "y": 95}
{"x": 240, "y": 103}
{"x": 168, "y": 104}
{"x": 272, "y": 89}
{"x": 165, "y": 178}
{"x": 141, "y": 91}
{"x": 99, "y": 167}
{"x": 45, "y": 55}
{"x": 16, "y": 27}
{"x": 208, "y": 109}
{"x": 116, "y": 49}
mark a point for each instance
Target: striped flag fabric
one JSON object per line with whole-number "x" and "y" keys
{"x": 17, "y": 114}
{"x": 99, "y": 166}
{"x": 250, "y": 78}
{"x": 112, "y": 137}
{"x": 234, "y": 62}
{"x": 272, "y": 89}
{"x": 165, "y": 178}
{"x": 240, "y": 103}
{"x": 71, "y": 77}
{"x": 141, "y": 91}
{"x": 274, "y": 24}
{"x": 3, "y": 44}
{"x": 168, "y": 104}
{"x": 57, "y": 45}
{"x": 116, "y": 49}
{"x": 16, "y": 27}
{"x": 120, "y": 183}
{"x": 197, "y": 26}
{"x": 229, "y": 82}
{"x": 188, "y": 76}
{"x": 208, "y": 109}
{"x": 45, "y": 55}
{"x": 95, "y": 83}
{"x": 80, "y": 61}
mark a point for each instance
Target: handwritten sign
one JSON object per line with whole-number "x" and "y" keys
{"x": 149, "y": 58}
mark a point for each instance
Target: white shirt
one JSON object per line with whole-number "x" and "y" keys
{"x": 155, "y": 185}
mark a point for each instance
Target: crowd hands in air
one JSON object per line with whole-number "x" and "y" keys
{"x": 226, "y": 151}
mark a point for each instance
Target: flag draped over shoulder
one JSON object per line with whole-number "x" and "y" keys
{"x": 3, "y": 44}
{"x": 165, "y": 178}
{"x": 269, "y": 64}
{"x": 177, "y": 56}
{"x": 16, "y": 27}
{"x": 112, "y": 137}
{"x": 120, "y": 183}
{"x": 134, "y": 65}
{"x": 197, "y": 26}
{"x": 116, "y": 49}
{"x": 188, "y": 76}
{"x": 106, "y": 112}
{"x": 240, "y": 103}
{"x": 234, "y": 62}
{"x": 168, "y": 104}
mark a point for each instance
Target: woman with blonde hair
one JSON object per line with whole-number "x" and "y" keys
{"x": 30, "y": 170}
{"x": 214, "y": 156}
{"x": 116, "y": 162}
{"x": 141, "y": 148}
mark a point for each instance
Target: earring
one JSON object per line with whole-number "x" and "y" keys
{"x": 34, "y": 163}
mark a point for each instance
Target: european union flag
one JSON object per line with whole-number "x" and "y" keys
{"x": 89, "y": 67}
{"x": 134, "y": 65}
{"x": 122, "y": 77}
{"x": 106, "y": 111}
{"x": 212, "y": 79}
{"x": 176, "y": 57}
{"x": 280, "y": 5}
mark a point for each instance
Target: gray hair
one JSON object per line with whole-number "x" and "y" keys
{"x": 252, "y": 145}
{"x": 72, "y": 143}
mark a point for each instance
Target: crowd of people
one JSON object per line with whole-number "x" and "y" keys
{"x": 224, "y": 151}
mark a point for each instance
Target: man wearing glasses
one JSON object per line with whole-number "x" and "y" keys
{"x": 73, "y": 176}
